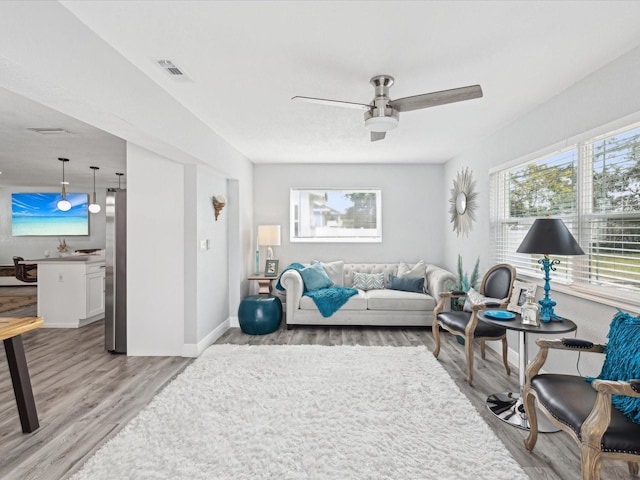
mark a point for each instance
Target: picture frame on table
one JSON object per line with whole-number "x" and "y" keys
{"x": 519, "y": 295}
{"x": 271, "y": 268}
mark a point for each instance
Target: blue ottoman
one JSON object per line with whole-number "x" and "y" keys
{"x": 260, "y": 314}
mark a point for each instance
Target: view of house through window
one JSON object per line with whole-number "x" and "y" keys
{"x": 594, "y": 187}
{"x": 333, "y": 215}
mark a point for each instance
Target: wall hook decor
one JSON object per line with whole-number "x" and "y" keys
{"x": 219, "y": 201}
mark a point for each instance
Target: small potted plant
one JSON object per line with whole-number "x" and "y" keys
{"x": 463, "y": 284}
{"x": 62, "y": 247}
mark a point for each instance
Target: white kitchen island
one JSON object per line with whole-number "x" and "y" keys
{"x": 71, "y": 290}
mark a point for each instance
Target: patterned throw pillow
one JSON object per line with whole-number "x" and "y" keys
{"x": 368, "y": 281}
{"x": 475, "y": 298}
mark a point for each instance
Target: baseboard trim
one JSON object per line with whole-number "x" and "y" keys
{"x": 193, "y": 350}
{"x": 78, "y": 324}
{"x": 234, "y": 322}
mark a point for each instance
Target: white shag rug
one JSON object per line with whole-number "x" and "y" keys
{"x": 307, "y": 412}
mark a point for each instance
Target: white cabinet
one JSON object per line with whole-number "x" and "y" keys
{"x": 95, "y": 283}
{"x": 71, "y": 291}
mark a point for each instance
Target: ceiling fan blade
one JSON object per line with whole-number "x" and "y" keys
{"x": 333, "y": 103}
{"x": 375, "y": 136}
{"x": 434, "y": 99}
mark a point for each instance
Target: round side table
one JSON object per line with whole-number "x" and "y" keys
{"x": 260, "y": 314}
{"x": 508, "y": 406}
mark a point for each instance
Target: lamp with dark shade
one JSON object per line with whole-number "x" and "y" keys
{"x": 549, "y": 236}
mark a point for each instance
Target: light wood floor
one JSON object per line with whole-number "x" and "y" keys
{"x": 84, "y": 395}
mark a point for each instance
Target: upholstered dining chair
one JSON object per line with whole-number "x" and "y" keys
{"x": 24, "y": 272}
{"x": 496, "y": 284}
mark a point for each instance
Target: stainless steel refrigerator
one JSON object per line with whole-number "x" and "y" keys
{"x": 115, "y": 322}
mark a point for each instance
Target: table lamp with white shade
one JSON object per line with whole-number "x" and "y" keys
{"x": 268, "y": 236}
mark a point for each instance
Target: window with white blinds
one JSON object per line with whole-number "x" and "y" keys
{"x": 594, "y": 187}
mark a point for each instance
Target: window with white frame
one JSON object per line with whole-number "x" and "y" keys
{"x": 336, "y": 215}
{"x": 594, "y": 187}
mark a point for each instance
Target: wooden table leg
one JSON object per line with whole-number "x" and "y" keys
{"x": 264, "y": 286}
{"x": 21, "y": 383}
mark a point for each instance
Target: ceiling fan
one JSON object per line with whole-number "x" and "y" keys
{"x": 381, "y": 115}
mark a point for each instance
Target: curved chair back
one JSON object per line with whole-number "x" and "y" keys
{"x": 498, "y": 281}
{"x": 21, "y": 272}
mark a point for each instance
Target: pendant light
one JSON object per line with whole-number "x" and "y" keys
{"x": 119, "y": 177}
{"x": 63, "y": 204}
{"x": 93, "y": 206}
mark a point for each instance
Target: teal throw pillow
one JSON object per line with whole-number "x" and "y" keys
{"x": 622, "y": 361}
{"x": 368, "y": 281}
{"x": 406, "y": 284}
{"x": 315, "y": 278}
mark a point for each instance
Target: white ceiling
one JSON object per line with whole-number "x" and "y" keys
{"x": 246, "y": 59}
{"x": 30, "y": 159}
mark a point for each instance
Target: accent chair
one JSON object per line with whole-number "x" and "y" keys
{"x": 586, "y": 411}
{"x": 497, "y": 283}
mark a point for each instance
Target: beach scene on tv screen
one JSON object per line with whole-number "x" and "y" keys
{"x": 38, "y": 214}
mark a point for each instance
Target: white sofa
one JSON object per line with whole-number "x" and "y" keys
{"x": 383, "y": 307}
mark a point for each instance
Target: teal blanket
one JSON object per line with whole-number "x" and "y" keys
{"x": 328, "y": 300}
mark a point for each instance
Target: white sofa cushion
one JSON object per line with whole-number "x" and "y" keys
{"x": 417, "y": 270}
{"x": 398, "y": 300}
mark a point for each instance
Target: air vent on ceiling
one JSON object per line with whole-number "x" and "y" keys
{"x": 51, "y": 131}
{"x": 171, "y": 68}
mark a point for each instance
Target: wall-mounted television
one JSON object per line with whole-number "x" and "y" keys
{"x": 37, "y": 214}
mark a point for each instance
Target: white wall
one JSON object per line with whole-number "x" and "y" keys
{"x": 34, "y": 247}
{"x": 206, "y": 265}
{"x": 608, "y": 96}
{"x": 49, "y": 56}
{"x": 155, "y": 254}
{"x": 412, "y": 213}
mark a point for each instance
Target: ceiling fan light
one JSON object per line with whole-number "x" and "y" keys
{"x": 381, "y": 124}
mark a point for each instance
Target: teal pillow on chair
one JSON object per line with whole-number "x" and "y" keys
{"x": 622, "y": 361}
{"x": 315, "y": 278}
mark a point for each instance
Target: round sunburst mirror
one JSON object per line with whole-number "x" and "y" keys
{"x": 463, "y": 202}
